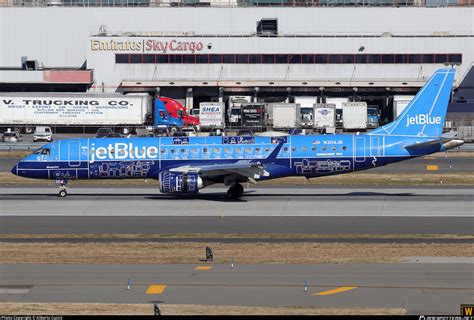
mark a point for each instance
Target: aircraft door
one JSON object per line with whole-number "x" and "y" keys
{"x": 359, "y": 149}
{"x": 375, "y": 147}
{"x": 74, "y": 153}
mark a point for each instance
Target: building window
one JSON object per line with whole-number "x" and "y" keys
{"x": 398, "y": 58}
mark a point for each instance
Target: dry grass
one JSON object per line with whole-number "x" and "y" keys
{"x": 6, "y": 178}
{"x": 211, "y": 236}
{"x": 176, "y": 309}
{"x": 248, "y": 253}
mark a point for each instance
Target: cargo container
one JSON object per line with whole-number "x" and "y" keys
{"x": 286, "y": 115}
{"x": 399, "y": 104}
{"x": 306, "y": 104}
{"x": 211, "y": 114}
{"x": 324, "y": 116}
{"x": 354, "y": 115}
{"x": 253, "y": 115}
{"x": 25, "y": 111}
{"x": 338, "y": 102}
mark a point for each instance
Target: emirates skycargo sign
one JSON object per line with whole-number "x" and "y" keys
{"x": 147, "y": 45}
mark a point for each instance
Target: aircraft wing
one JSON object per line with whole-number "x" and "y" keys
{"x": 241, "y": 170}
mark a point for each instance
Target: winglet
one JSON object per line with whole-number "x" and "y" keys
{"x": 272, "y": 156}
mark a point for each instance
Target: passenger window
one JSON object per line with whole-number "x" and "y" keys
{"x": 267, "y": 149}
{"x": 172, "y": 150}
{"x": 257, "y": 149}
{"x": 293, "y": 148}
{"x": 303, "y": 148}
{"x": 216, "y": 149}
{"x": 162, "y": 150}
{"x": 313, "y": 148}
{"x": 183, "y": 150}
{"x": 344, "y": 148}
{"x": 247, "y": 149}
{"x": 285, "y": 149}
{"x": 324, "y": 148}
{"x": 238, "y": 150}
{"x": 334, "y": 148}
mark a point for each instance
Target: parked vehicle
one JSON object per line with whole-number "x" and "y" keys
{"x": 43, "y": 134}
{"x": 286, "y": 115}
{"x": 217, "y": 132}
{"x": 253, "y": 115}
{"x": 177, "y": 110}
{"x": 103, "y": 132}
{"x": 25, "y": 111}
{"x": 190, "y": 131}
{"x": 163, "y": 118}
{"x": 399, "y": 104}
{"x": 12, "y": 136}
{"x": 339, "y": 112}
{"x": 234, "y": 111}
{"x": 179, "y": 134}
{"x": 354, "y": 115}
{"x": 161, "y": 132}
{"x": 324, "y": 116}
{"x": 211, "y": 114}
{"x": 306, "y": 104}
{"x": 373, "y": 117}
{"x": 244, "y": 133}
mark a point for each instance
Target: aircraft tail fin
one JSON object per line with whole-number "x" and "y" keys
{"x": 424, "y": 115}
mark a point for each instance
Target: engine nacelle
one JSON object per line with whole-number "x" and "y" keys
{"x": 178, "y": 182}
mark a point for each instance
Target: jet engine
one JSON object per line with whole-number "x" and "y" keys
{"x": 179, "y": 182}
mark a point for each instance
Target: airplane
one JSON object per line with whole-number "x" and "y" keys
{"x": 184, "y": 165}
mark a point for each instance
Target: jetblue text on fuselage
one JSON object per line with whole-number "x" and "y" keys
{"x": 422, "y": 119}
{"x": 121, "y": 151}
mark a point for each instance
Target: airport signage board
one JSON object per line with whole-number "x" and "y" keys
{"x": 147, "y": 45}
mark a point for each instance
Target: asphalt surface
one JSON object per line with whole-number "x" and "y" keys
{"x": 445, "y": 165}
{"x": 430, "y": 288}
{"x": 270, "y": 202}
{"x": 309, "y": 210}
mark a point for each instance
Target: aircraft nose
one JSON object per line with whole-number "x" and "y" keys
{"x": 15, "y": 170}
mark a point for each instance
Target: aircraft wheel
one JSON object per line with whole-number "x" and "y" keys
{"x": 62, "y": 193}
{"x": 235, "y": 192}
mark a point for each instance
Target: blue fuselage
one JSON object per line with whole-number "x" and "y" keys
{"x": 310, "y": 156}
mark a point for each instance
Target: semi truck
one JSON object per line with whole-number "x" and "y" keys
{"x": 306, "y": 110}
{"x": 286, "y": 115}
{"x": 354, "y": 115}
{"x": 338, "y": 102}
{"x": 25, "y": 111}
{"x": 177, "y": 110}
{"x": 373, "y": 117}
{"x": 235, "y": 108}
{"x": 324, "y": 117}
{"x": 253, "y": 115}
{"x": 211, "y": 115}
{"x": 399, "y": 104}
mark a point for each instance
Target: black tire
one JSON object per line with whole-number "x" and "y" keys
{"x": 29, "y": 130}
{"x": 235, "y": 192}
{"x": 62, "y": 194}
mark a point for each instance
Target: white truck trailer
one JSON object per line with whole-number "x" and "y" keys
{"x": 324, "y": 116}
{"x": 306, "y": 110}
{"x": 286, "y": 115}
{"x": 211, "y": 115}
{"x": 354, "y": 115}
{"x": 25, "y": 111}
{"x": 399, "y": 104}
{"x": 338, "y": 102}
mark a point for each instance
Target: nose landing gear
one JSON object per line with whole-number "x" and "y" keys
{"x": 235, "y": 192}
{"x": 62, "y": 187}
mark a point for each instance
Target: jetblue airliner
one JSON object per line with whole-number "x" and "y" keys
{"x": 187, "y": 164}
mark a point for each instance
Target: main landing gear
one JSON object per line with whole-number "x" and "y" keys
{"x": 235, "y": 191}
{"x": 62, "y": 187}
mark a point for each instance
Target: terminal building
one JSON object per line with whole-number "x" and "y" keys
{"x": 272, "y": 51}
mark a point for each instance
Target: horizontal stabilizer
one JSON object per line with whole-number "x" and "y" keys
{"x": 443, "y": 144}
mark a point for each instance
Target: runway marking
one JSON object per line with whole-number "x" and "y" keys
{"x": 334, "y": 291}
{"x": 431, "y": 167}
{"x": 156, "y": 289}
{"x": 203, "y": 268}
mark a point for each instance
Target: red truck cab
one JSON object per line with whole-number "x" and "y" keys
{"x": 176, "y": 110}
